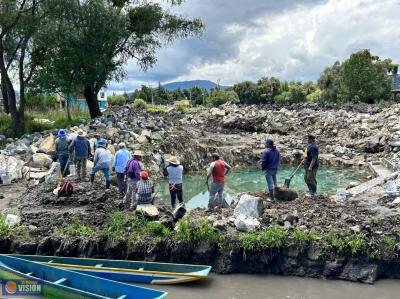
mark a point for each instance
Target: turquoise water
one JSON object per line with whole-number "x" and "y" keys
{"x": 195, "y": 192}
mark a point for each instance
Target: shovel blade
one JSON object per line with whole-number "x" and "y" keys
{"x": 287, "y": 183}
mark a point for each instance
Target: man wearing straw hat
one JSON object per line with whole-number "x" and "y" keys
{"x": 132, "y": 175}
{"x": 81, "y": 146}
{"x": 174, "y": 172}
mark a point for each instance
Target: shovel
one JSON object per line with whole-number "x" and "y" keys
{"x": 287, "y": 181}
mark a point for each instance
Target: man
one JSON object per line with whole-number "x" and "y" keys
{"x": 311, "y": 165}
{"x": 62, "y": 151}
{"x": 97, "y": 140}
{"x": 270, "y": 160}
{"x": 121, "y": 159}
{"x": 218, "y": 169}
{"x": 81, "y": 146}
{"x": 101, "y": 161}
{"x": 132, "y": 175}
{"x": 174, "y": 172}
{"x": 145, "y": 189}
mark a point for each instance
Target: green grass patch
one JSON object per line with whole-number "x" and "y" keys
{"x": 302, "y": 238}
{"x": 76, "y": 228}
{"x": 250, "y": 242}
{"x": 388, "y": 247}
{"x": 274, "y": 237}
{"x": 13, "y": 231}
{"x": 187, "y": 230}
{"x": 157, "y": 109}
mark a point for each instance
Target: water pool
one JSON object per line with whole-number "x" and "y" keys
{"x": 252, "y": 179}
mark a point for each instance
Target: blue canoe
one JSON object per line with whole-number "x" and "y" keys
{"x": 126, "y": 271}
{"x": 60, "y": 283}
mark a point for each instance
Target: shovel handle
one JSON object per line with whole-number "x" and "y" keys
{"x": 296, "y": 170}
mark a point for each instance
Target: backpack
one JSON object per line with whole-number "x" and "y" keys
{"x": 66, "y": 189}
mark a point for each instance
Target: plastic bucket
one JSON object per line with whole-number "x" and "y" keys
{"x": 72, "y": 170}
{"x": 6, "y": 179}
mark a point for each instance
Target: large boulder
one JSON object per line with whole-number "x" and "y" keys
{"x": 245, "y": 223}
{"x": 48, "y": 146}
{"x": 41, "y": 160}
{"x": 249, "y": 205}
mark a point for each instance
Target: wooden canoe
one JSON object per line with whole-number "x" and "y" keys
{"x": 126, "y": 271}
{"x": 60, "y": 283}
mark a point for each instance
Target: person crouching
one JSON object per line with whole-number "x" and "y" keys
{"x": 145, "y": 189}
{"x": 102, "y": 161}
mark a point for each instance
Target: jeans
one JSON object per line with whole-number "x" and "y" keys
{"x": 130, "y": 196}
{"x": 121, "y": 183}
{"x": 310, "y": 177}
{"x": 270, "y": 176}
{"x": 175, "y": 190}
{"x": 81, "y": 167}
{"x": 106, "y": 172}
{"x": 63, "y": 158}
{"x": 216, "y": 188}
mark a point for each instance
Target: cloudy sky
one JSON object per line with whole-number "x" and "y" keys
{"x": 289, "y": 39}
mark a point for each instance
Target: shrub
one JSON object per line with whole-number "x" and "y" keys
{"x": 181, "y": 108}
{"x": 41, "y": 102}
{"x": 302, "y": 237}
{"x": 139, "y": 104}
{"x": 250, "y": 242}
{"x": 116, "y": 100}
{"x": 219, "y": 97}
{"x": 185, "y": 229}
{"x": 154, "y": 228}
{"x": 356, "y": 243}
{"x": 274, "y": 237}
{"x": 388, "y": 246}
{"x": 75, "y": 228}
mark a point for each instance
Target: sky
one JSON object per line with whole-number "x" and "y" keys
{"x": 288, "y": 39}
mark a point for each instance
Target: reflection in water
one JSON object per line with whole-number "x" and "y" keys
{"x": 245, "y": 286}
{"x": 252, "y": 179}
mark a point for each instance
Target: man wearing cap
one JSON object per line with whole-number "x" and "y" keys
{"x": 218, "y": 169}
{"x": 97, "y": 140}
{"x": 132, "y": 175}
{"x": 174, "y": 172}
{"x": 270, "y": 161}
{"x": 144, "y": 189}
{"x": 62, "y": 151}
{"x": 311, "y": 165}
{"x": 121, "y": 159}
{"x": 81, "y": 146}
{"x": 101, "y": 162}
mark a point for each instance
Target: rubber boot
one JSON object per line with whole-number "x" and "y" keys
{"x": 107, "y": 184}
{"x": 92, "y": 178}
{"x": 271, "y": 194}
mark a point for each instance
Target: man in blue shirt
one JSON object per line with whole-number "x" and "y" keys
{"x": 121, "y": 158}
{"x": 80, "y": 145}
{"x": 98, "y": 140}
{"x": 311, "y": 165}
{"x": 270, "y": 161}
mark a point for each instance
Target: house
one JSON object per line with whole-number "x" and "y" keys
{"x": 78, "y": 101}
{"x": 395, "y": 85}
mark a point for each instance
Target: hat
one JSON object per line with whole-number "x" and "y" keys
{"x": 102, "y": 142}
{"x": 61, "y": 133}
{"x": 144, "y": 175}
{"x": 74, "y": 129}
{"x": 269, "y": 142}
{"x": 122, "y": 144}
{"x": 173, "y": 160}
{"x": 138, "y": 153}
{"x": 81, "y": 133}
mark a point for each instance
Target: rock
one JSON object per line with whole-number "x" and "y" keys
{"x": 217, "y": 112}
{"x": 12, "y": 219}
{"x": 41, "y": 160}
{"x": 142, "y": 139}
{"x": 179, "y": 212}
{"x": 355, "y": 228}
{"x": 48, "y": 146}
{"x": 148, "y": 210}
{"x": 396, "y": 201}
{"x": 52, "y": 174}
{"x": 220, "y": 224}
{"x": 245, "y": 223}
{"x": 12, "y": 166}
{"x": 249, "y": 206}
{"x": 285, "y": 194}
{"x": 110, "y": 132}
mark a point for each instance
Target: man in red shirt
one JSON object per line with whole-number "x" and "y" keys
{"x": 218, "y": 169}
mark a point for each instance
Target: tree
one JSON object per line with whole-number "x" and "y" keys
{"x": 248, "y": 92}
{"x": 329, "y": 83}
{"x": 218, "y": 97}
{"x": 20, "y": 54}
{"x": 268, "y": 88}
{"x": 93, "y": 39}
{"x": 364, "y": 77}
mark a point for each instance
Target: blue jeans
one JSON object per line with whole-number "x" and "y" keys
{"x": 63, "y": 158}
{"x": 270, "y": 176}
{"x": 105, "y": 170}
{"x": 216, "y": 188}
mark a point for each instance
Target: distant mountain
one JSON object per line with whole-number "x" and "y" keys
{"x": 193, "y": 83}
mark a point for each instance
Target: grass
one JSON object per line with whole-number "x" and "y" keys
{"x": 13, "y": 231}
{"x": 188, "y": 231}
{"x": 75, "y": 228}
{"x": 302, "y": 238}
{"x": 157, "y": 109}
{"x": 274, "y": 237}
{"x": 389, "y": 247}
{"x": 250, "y": 241}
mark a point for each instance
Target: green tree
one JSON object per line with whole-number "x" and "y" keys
{"x": 268, "y": 88}
{"x": 218, "y": 97}
{"x": 248, "y": 92}
{"x": 329, "y": 83}
{"x": 93, "y": 39}
{"x": 364, "y": 77}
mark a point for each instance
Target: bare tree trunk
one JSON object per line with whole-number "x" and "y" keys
{"x": 90, "y": 94}
{"x": 5, "y": 96}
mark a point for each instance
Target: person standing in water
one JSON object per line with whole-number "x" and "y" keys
{"x": 311, "y": 165}
{"x": 218, "y": 170}
{"x": 174, "y": 172}
{"x": 270, "y": 161}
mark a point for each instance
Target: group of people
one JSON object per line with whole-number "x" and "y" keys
{"x": 270, "y": 161}
{"x": 134, "y": 183}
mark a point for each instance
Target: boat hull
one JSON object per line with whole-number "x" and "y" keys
{"x": 60, "y": 283}
{"x": 127, "y": 271}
